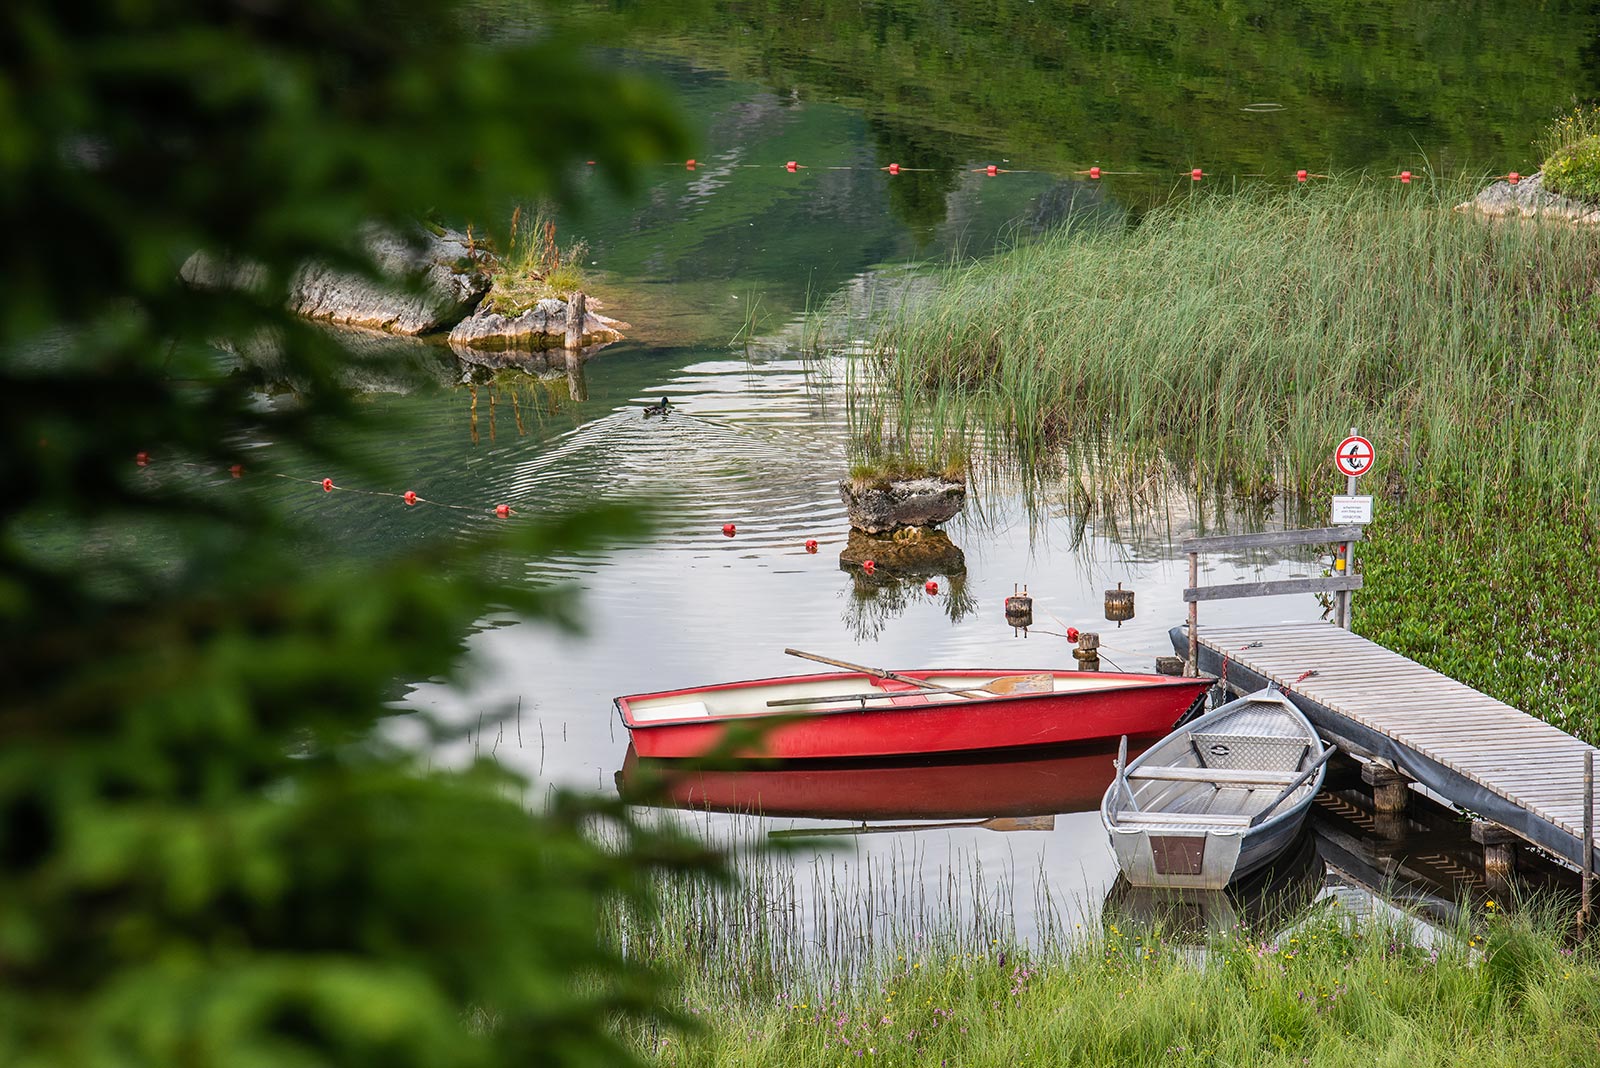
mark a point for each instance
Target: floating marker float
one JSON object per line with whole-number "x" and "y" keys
{"x": 502, "y": 510}
{"x": 729, "y": 530}
{"x": 811, "y": 545}
{"x": 410, "y": 497}
{"x": 931, "y": 586}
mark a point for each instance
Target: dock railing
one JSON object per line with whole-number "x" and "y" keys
{"x": 1339, "y": 584}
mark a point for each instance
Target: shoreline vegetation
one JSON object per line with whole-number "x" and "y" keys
{"x": 877, "y": 977}
{"x": 1227, "y": 340}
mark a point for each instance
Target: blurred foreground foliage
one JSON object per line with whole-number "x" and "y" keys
{"x": 208, "y": 855}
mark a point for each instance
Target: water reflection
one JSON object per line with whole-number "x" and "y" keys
{"x": 1265, "y": 901}
{"x": 1070, "y": 780}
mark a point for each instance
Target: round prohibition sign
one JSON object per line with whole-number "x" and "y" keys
{"x": 1354, "y": 456}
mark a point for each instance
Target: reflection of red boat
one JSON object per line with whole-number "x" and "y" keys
{"x": 862, "y": 714}
{"x": 1068, "y": 781}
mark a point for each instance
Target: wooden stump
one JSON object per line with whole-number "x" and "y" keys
{"x": 577, "y": 312}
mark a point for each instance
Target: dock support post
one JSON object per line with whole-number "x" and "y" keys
{"x": 1391, "y": 789}
{"x": 1585, "y": 910}
{"x": 1193, "y": 667}
{"x": 1499, "y": 853}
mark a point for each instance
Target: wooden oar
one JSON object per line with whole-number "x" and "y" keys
{"x": 879, "y": 673}
{"x": 996, "y": 823}
{"x": 1040, "y": 682}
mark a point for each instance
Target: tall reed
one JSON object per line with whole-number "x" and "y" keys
{"x": 1239, "y": 335}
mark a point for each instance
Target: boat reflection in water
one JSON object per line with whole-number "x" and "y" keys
{"x": 1264, "y": 901}
{"x": 988, "y": 789}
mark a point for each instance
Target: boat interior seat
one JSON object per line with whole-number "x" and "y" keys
{"x": 681, "y": 710}
{"x": 1239, "y": 776}
{"x": 1185, "y": 819}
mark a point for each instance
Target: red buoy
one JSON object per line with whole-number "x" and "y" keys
{"x": 237, "y": 470}
{"x": 142, "y": 459}
{"x": 1405, "y": 177}
{"x": 502, "y": 510}
{"x": 931, "y": 586}
{"x": 409, "y": 496}
{"x": 791, "y": 166}
{"x": 894, "y": 168}
{"x": 327, "y": 485}
{"x": 1072, "y": 634}
{"x": 1301, "y": 176}
{"x": 869, "y": 566}
{"x": 1513, "y": 177}
{"x": 729, "y": 530}
{"x": 811, "y": 545}
{"x": 1094, "y": 172}
{"x": 991, "y": 170}
{"x": 689, "y": 165}
{"x": 1196, "y": 174}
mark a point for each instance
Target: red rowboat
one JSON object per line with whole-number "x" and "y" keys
{"x": 841, "y": 715}
{"x": 1011, "y": 785}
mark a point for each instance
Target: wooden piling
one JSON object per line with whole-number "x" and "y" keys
{"x": 1586, "y": 902}
{"x": 1499, "y": 853}
{"x": 577, "y": 312}
{"x": 1192, "y": 668}
{"x": 1088, "y": 651}
{"x": 1391, "y": 789}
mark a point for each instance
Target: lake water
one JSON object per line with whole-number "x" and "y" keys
{"x": 758, "y": 435}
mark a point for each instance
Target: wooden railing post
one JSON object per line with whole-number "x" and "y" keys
{"x": 1587, "y": 900}
{"x": 1192, "y": 668}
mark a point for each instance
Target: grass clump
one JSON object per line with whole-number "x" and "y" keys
{"x": 534, "y": 266}
{"x": 1242, "y": 334}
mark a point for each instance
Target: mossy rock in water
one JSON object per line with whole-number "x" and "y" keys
{"x": 1574, "y": 170}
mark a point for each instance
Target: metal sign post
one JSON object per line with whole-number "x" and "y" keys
{"x": 1354, "y": 457}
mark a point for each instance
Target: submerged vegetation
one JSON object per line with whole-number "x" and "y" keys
{"x": 876, "y": 978}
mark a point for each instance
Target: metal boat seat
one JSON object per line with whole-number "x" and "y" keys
{"x": 1240, "y": 776}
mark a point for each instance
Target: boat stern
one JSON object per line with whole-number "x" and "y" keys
{"x": 1170, "y": 857}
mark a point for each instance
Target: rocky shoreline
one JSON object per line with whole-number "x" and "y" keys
{"x": 1528, "y": 198}
{"x": 435, "y": 281}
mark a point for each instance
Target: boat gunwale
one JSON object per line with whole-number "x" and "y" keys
{"x": 624, "y": 710}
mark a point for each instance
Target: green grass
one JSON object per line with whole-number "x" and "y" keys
{"x": 1238, "y": 336}
{"x": 881, "y": 979}
{"x": 534, "y": 266}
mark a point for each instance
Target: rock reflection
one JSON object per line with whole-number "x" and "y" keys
{"x": 901, "y": 564}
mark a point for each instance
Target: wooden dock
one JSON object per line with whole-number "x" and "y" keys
{"x": 1482, "y": 755}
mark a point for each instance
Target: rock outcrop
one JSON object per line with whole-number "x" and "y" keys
{"x": 431, "y": 281}
{"x": 542, "y": 326}
{"x": 881, "y": 506}
{"x": 436, "y": 281}
{"x": 1529, "y": 198}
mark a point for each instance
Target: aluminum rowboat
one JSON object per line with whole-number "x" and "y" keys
{"x": 1217, "y": 798}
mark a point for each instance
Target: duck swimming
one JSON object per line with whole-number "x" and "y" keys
{"x": 660, "y": 408}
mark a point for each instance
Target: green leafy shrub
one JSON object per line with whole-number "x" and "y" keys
{"x": 1574, "y": 170}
